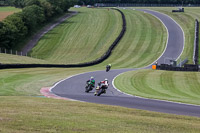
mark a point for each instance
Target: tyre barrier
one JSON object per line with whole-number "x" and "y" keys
{"x": 187, "y": 67}
{"x": 95, "y": 62}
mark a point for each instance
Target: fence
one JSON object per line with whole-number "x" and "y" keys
{"x": 143, "y": 5}
{"x": 13, "y": 52}
{"x": 196, "y": 43}
{"x": 187, "y": 67}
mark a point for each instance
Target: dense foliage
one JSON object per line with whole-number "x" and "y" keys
{"x": 35, "y": 12}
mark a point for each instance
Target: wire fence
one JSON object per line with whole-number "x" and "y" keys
{"x": 13, "y": 52}
{"x": 18, "y": 53}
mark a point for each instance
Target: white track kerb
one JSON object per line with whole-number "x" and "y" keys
{"x": 67, "y": 79}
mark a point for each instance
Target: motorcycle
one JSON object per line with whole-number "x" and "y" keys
{"x": 107, "y": 68}
{"x": 100, "y": 90}
{"x": 88, "y": 87}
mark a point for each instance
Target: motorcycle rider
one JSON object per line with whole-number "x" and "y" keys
{"x": 100, "y": 85}
{"x": 92, "y": 81}
{"x": 108, "y": 67}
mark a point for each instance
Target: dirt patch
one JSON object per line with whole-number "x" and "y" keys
{"x": 4, "y": 15}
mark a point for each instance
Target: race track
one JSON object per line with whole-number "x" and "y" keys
{"x": 73, "y": 87}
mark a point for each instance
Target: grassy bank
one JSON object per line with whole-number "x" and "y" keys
{"x": 81, "y": 38}
{"x": 165, "y": 85}
{"x": 143, "y": 42}
{"x": 88, "y": 35}
{"x": 26, "y": 114}
{"x": 28, "y": 82}
{"x": 15, "y": 59}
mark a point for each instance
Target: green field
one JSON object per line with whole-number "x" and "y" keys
{"x": 6, "y": 11}
{"x": 82, "y": 38}
{"x": 29, "y": 114}
{"x": 166, "y": 85}
{"x": 16, "y": 59}
{"x": 22, "y": 109}
{"x": 9, "y": 9}
{"x": 28, "y": 82}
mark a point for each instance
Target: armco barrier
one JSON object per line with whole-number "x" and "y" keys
{"x": 187, "y": 67}
{"x": 101, "y": 59}
{"x": 196, "y": 43}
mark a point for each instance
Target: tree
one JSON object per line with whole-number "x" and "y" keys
{"x": 12, "y": 30}
{"x": 32, "y": 16}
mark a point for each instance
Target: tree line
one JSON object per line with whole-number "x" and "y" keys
{"x": 86, "y": 2}
{"x": 18, "y": 26}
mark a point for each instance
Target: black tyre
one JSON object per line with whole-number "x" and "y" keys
{"x": 100, "y": 92}
{"x": 89, "y": 88}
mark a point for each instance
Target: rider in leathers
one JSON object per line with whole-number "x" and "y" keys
{"x": 100, "y": 85}
{"x": 92, "y": 81}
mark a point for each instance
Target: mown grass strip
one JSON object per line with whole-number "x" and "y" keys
{"x": 84, "y": 37}
{"x": 28, "y": 82}
{"x": 143, "y": 42}
{"x": 26, "y": 114}
{"x": 165, "y": 85}
{"x": 16, "y": 59}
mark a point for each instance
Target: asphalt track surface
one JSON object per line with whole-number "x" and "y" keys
{"x": 74, "y": 87}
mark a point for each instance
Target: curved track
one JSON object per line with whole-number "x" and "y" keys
{"x": 73, "y": 87}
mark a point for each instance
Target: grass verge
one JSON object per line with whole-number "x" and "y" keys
{"x": 28, "y": 82}
{"x": 26, "y": 114}
{"x": 165, "y": 85}
{"x": 16, "y": 59}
